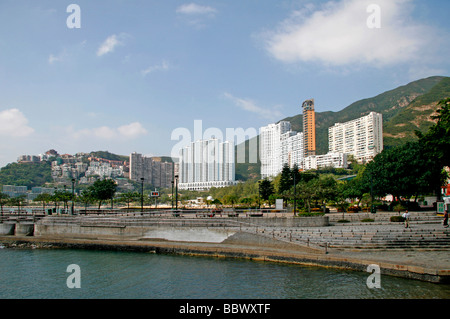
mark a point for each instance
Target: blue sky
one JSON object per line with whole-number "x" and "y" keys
{"x": 135, "y": 71}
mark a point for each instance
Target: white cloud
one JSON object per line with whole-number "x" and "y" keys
{"x": 195, "y": 9}
{"x": 164, "y": 66}
{"x": 124, "y": 132}
{"x": 14, "y": 124}
{"x": 195, "y": 14}
{"x": 337, "y": 34}
{"x": 111, "y": 43}
{"x": 132, "y": 130}
{"x": 250, "y": 106}
{"x": 52, "y": 58}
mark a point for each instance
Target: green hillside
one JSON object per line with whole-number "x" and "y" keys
{"x": 389, "y": 103}
{"x": 416, "y": 116}
{"x": 245, "y": 171}
{"x": 109, "y": 156}
{"x": 26, "y": 174}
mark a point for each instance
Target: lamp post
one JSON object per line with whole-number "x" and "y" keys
{"x": 295, "y": 199}
{"x": 73, "y": 194}
{"x": 259, "y": 194}
{"x": 172, "y": 194}
{"x": 142, "y": 194}
{"x": 65, "y": 200}
{"x": 176, "y": 192}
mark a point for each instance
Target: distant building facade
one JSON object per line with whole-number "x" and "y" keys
{"x": 362, "y": 137}
{"x": 331, "y": 159}
{"x": 154, "y": 171}
{"x": 206, "y": 163}
{"x": 270, "y": 147}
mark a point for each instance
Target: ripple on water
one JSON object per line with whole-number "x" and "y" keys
{"x": 104, "y": 274}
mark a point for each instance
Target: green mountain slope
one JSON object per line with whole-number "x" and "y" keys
{"x": 389, "y": 103}
{"x": 26, "y": 174}
{"x": 109, "y": 156}
{"x": 416, "y": 116}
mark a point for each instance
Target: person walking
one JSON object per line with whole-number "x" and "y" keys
{"x": 445, "y": 222}
{"x": 406, "y": 216}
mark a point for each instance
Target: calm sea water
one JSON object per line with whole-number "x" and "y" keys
{"x": 36, "y": 273}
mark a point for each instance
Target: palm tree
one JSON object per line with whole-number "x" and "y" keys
{"x": 44, "y": 198}
{"x": 18, "y": 201}
{"x": 86, "y": 198}
{"x": 4, "y": 198}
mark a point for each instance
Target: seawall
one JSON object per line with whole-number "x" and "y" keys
{"x": 214, "y": 237}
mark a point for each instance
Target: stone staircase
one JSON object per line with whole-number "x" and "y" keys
{"x": 427, "y": 237}
{"x": 424, "y": 217}
{"x": 426, "y": 232}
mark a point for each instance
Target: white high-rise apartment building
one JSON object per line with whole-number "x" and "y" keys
{"x": 292, "y": 149}
{"x": 206, "y": 163}
{"x": 270, "y": 150}
{"x": 363, "y": 137}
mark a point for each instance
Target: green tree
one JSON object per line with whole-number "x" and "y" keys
{"x": 230, "y": 199}
{"x": 44, "y": 198}
{"x": 266, "y": 189}
{"x": 129, "y": 197}
{"x": 63, "y": 196}
{"x": 435, "y": 146}
{"x": 285, "y": 182}
{"x": 306, "y": 192}
{"x": 326, "y": 190}
{"x": 18, "y": 201}
{"x": 86, "y": 197}
{"x": 402, "y": 171}
{"x": 103, "y": 190}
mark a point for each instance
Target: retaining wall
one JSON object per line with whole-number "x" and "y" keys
{"x": 18, "y": 229}
{"x": 212, "y": 230}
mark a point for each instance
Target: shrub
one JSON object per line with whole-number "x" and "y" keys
{"x": 397, "y": 219}
{"x": 343, "y": 221}
{"x": 353, "y": 209}
{"x": 383, "y": 207}
{"x": 367, "y": 220}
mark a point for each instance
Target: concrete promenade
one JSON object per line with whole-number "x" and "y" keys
{"x": 420, "y": 252}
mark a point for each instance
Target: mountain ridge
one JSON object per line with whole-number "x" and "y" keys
{"x": 405, "y": 109}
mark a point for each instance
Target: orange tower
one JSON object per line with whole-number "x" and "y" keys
{"x": 309, "y": 128}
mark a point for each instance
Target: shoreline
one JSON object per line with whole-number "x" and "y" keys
{"x": 347, "y": 260}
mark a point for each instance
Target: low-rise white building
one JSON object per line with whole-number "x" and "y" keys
{"x": 331, "y": 159}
